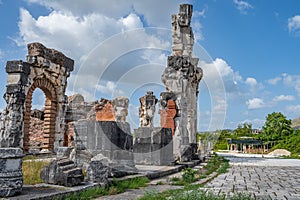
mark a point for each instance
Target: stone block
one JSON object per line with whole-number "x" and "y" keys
{"x": 103, "y": 135}
{"x": 11, "y": 176}
{"x": 17, "y": 66}
{"x": 154, "y": 149}
{"x": 62, "y": 172}
{"x": 63, "y": 152}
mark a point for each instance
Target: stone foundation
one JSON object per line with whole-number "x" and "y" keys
{"x": 153, "y": 146}
{"x": 110, "y": 139}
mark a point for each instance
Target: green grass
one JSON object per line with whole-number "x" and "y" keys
{"x": 31, "y": 171}
{"x": 115, "y": 188}
{"x": 215, "y": 164}
{"x": 190, "y": 193}
{"x": 224, "y": 167}
{"x": 193, "y": 192}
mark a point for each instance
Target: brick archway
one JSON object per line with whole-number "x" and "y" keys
{"x": 49, "y": 113}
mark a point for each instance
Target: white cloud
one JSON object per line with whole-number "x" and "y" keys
{"x": 110, "y": 88}
{"x": 219, "y": 72}
{"x": 155, "y": 12}
{"x": 274, "y": 81}
{"x": 251, "y": 81}
{"x": 294, "y": 24}
{"x": 284, "y": 98}
{"x": 293, "y": 111}
{"x": 255, "y": 103}
{"x": 74, "y": 35}
{"x": 292, "y": 81}
{"x": 220, "y": 107}
{"x": 242, "y": 6}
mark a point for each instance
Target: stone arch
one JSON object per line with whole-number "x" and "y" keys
{"x": 47, "y": 69}
{"x": 50, "y": 113}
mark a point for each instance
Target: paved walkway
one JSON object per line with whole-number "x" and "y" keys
{"x": 260, "y": 177}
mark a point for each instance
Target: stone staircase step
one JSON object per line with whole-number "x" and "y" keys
{"x": 64, "y": 162}
{"x": 67, "y": 167}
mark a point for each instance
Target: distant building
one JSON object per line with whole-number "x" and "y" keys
{"x": 245, "y": 145}
{"x": 256, "y": 131}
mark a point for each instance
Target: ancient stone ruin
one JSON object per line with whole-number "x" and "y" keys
{"x": 48, "y": 70}
{"x": 181, "y": 77}
{"x": 95, "y": 136}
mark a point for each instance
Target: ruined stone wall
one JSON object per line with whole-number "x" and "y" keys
{"x": 182, "y": 77}
{"x": 104, "y": 110}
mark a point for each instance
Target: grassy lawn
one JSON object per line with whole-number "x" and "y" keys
{"x": 31, "y": 171}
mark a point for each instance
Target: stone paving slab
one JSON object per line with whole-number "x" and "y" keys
{"x": 260, "y": 177}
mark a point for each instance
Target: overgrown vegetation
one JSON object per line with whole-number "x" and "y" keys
{"x": 291, "y": 143}
{"x": 277, "y": 133}
{"x": 215, "y": 164}
{"x": 190, "y": 193}
{"x": 31, "y": 171}
{"x": 116, "y": 188}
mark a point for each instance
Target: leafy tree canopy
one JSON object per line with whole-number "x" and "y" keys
{"x": 276, "y": 127}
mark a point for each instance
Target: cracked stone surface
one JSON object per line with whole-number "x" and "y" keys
{"x": 260, "y": 177}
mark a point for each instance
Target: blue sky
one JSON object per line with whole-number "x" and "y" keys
{"x": 252, "y": 46}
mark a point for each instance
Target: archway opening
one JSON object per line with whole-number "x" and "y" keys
{"x": 49, "y": 115}
{"x": 36, "y": 128}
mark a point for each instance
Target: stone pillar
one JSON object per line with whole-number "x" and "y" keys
{"x": 11, "y": 176}
{"x": 147, "y": 109}
{"x": 182, "y": 77}
{"x": 12, "y": 132}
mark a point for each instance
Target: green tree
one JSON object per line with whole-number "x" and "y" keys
{"x": 277, "y": 127}
{"x": 244, "y": 129}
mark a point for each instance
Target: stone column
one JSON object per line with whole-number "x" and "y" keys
{"x": 11, "y": 132}
{"x": 182, "y": 77}
{"x": 147, "y": 109}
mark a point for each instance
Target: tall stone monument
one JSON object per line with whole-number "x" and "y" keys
{"x": 182, "y": 77}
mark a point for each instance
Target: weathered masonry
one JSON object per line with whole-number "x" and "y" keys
{"x": 48, "y": 70}
{"x": 181, "y": 77}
